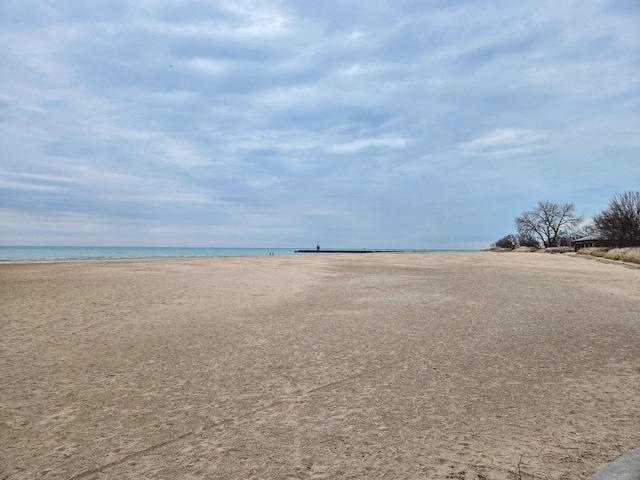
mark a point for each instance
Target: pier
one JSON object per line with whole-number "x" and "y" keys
{"x": 351, "y": 251}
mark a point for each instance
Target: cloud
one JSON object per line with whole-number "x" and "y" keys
{"x": 595, "y": 79}
{"x": 27, "y": 186}
{"x": 206, "y": 66}
{"x": 262, "y": 26}
{"x": 229, "y": 118}
{"x": 366, "y": 143}
{"x": 502, "y": 142}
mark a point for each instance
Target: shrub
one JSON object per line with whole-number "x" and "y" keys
{"x": 527, "y": 249}
{"x": 593, "y": 251}
{"x": 625, "y": 254}
{"x": 525, "y": 240}
{"x": 508, "y": 242}
{"x": 631, "y": 255}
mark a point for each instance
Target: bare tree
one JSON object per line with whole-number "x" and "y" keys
{"x": 620, "y": 223}
{"x": 527, "y": 240}
{"x": 549, "y": 222}
{"x": 584, "y": 230}
{"x": 508, "y": 241}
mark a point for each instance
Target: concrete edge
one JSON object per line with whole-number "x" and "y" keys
{"x": 625, "y": 467}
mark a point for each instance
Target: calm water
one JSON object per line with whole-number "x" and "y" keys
{"x": 22, "y": 254}
{"x": 16, "y": 253}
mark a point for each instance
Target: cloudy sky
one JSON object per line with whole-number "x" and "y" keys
{"x": 378, "y": 124}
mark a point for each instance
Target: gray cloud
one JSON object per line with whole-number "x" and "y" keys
{"x": 371, "y": 124}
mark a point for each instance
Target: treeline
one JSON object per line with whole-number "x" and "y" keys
{"x": 552, "y": 224}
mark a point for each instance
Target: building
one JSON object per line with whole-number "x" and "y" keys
{"x": 588, "y": 241}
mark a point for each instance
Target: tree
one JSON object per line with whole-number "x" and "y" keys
{"x": 508, "y": 241}
{"x": 620, "y": 223}
{"x": 584, "y": 230}
{"x": 527, "y": 240}
{"x": 549, "y": 222}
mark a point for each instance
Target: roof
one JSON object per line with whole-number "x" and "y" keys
{"x": 588, "y": 238}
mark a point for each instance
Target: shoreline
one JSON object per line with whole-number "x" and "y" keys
{"x": 422, "y": 365}
{"x": 296, "y": 253}
{"x": 10, "y": 254}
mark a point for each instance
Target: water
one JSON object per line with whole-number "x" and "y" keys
{"x": 30, "y": 254}
{"x": 17, "y": 253}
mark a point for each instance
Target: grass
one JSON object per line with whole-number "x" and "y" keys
{"x": 527, "y": 249}
{"x": 631, "y": 255}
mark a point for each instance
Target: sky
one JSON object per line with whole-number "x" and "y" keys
{"x": 358, "y": 124}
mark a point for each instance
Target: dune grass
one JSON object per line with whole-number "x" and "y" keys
{"x": 631, "y": 254}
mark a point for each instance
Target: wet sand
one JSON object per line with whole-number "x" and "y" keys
{"x": 395, "y": 366}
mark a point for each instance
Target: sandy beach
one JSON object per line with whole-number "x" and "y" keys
{"x": 396, "y": 366}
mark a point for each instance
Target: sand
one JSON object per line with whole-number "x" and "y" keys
{"x": 395, "y": 366}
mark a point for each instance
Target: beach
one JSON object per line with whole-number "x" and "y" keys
{"x": 475, "y": 365}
